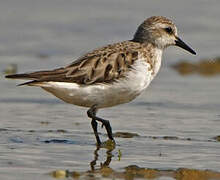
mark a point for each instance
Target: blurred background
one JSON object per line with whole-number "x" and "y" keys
{"x": 72, "y": 27}
{"x": 45, "y": 34}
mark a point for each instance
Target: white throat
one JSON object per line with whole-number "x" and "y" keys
{"x": 157, "y": 60}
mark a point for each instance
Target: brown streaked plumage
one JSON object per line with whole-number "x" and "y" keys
{"x": 113, "y": 74}
{"x": 104, "y": 65}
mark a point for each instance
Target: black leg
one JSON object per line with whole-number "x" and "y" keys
{"x": 107, "y": 127}
{"x": 94, "y": 126}
{"x": 92, "y": 114}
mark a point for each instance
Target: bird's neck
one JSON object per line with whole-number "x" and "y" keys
{"x": 154, "y": 56}
{"x": 157, "y": 59}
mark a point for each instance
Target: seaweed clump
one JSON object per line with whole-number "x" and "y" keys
{"x": 205, "y": 67}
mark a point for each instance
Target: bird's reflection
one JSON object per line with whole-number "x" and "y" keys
{"x": 131, "y": 171}
{"x": 106, "y": 163}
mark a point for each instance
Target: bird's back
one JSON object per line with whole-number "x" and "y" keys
{"x": 103, "y": 65}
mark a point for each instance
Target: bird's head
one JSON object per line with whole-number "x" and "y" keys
{"x": 161, "y": 32}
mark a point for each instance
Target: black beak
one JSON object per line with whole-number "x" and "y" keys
{"x": 183, "y": 45}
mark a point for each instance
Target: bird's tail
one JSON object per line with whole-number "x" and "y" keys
{"x": 37, "y": 77}
{"x": 19, "y": 76}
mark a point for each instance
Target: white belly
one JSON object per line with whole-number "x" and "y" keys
{"x": 104, "y": 95}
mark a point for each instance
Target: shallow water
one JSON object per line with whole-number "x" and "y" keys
{"x": 176, "y": 118}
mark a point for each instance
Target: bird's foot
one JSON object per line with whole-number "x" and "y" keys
{"x": 109, "y": 144}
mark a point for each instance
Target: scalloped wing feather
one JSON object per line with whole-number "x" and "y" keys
{"x": 104, "y": 65}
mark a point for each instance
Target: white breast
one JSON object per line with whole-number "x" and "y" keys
{"x": 157, "y": 60}
{"x": 107, "y": 95}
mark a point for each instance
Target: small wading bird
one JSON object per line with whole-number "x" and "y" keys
{"x": 111, "y": 75}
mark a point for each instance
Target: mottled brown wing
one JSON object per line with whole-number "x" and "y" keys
{"x": 101, "y": 68}
{"x": 103, "y": 65}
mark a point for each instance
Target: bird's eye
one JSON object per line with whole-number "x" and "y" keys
{"x": 169, "y": 30}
